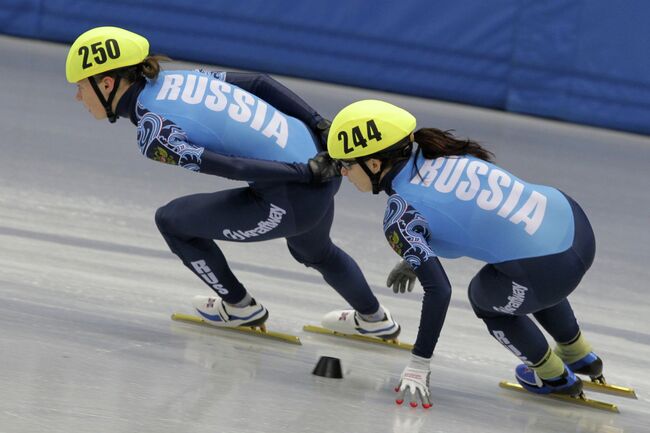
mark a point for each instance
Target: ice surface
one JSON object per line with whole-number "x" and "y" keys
{"x": 87, "y": 284}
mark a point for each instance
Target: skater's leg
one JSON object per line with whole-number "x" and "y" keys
{"x": 503, "y": 305}
{"x": 315, "y": 249}
{"x": 572, "y": 347}
{"x": 542, "y": 371}
{"x": 310, "y": 244}
{"x": 559, "y": 321}
{"x": 496, "y": 300}
{"x": 189, "y": 224}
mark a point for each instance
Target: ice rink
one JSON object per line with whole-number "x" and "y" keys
{"x": 87, "y": 284}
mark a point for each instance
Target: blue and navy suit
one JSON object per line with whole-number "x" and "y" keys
{"x": 536, "y": 242}
{"x": 247, "y": 127}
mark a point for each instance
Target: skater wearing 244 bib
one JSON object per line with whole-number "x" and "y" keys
{"x": 241, "y": 126}
{"x": 447, "y": 199}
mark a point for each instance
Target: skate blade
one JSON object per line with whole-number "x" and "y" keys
{"x": 392, "y": 343}
{"x": 259, "y": 331}
{"x": 583, "y": 401}
{"x": 606, "y": 388}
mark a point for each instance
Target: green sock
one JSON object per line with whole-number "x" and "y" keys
{"x": 573, "y": 350}
{"x": 550, "y": 366}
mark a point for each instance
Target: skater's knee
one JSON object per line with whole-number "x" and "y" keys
{"x": 481, "y": 308}
{"x": 314, "y": 256}
{"x": 164, "y": 219}
{"x": 172, "y": 219}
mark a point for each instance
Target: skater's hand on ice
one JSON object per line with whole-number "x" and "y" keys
{"x": 414, "y": 384}
{"x": 401, "y": 278}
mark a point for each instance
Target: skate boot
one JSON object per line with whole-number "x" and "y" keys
{"x": 567, "y": 384}
{"x": 350, "y": 322}
{"x": 589, "y": 365}
{"x": 218, "y": 313}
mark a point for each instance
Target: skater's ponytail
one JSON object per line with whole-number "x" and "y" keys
{"x": 435, "y": 143}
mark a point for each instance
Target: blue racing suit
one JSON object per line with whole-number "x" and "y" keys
{"x": 248, "y": 127}
{"x": 536, "y": 241}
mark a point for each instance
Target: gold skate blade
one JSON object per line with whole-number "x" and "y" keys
{"x": 259, "y": 331}
{"x": 391, "y": 343}
{"x": 606, "y": 388}
{"x": 596, "y": 404}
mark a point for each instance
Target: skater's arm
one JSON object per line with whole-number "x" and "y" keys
{"x": 276, "y": 94}
{"x": 435, "y": 302}
{"x": 171, "y": 146}
{"x": 253, "y": 170}
{"x": 407, "y": 232}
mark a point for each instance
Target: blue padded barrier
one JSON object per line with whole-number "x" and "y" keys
{"x": 577, "y": 60}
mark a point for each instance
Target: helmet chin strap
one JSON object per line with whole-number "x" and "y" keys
{"x": 374, "y": 177}
{"x": 107, "y": 103}
{"x": 401, "y": 150}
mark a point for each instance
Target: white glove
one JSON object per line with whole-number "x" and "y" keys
{"x": 400, "y": 277}
{"x": 414, "y": 383}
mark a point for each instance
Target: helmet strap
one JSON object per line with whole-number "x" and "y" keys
{"x": 374, "y": 177}
{"x": 399, "y": 151}
{"x": 107, "y": 103}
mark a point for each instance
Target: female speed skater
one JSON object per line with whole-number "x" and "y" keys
{"x": 242, "y": 126}
{"x": 447, "y": 199}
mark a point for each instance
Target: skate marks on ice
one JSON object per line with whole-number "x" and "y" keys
{"x": 101, "y": 245}
{"x": 93, "y": 350}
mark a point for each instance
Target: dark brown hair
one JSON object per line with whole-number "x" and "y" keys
{"x": 435, "y": 143}
{"x": 148, "y": 68}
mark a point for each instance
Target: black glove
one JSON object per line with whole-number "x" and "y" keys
{"x": 401, "y": 276}
{"x": 322, "y": 130}
{"x": 323, "y": 168}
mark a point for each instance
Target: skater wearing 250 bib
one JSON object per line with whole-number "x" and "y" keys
{"x": 447, "y": 199}
{"x": 242, "y": 126}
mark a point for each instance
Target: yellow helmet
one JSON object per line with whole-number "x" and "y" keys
{"x": 368, "y": 127}
{"x": 103, "y": 49}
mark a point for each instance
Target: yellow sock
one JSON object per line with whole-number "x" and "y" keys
{"x": 550, "y": 366}
{"x": 573, "y": 350}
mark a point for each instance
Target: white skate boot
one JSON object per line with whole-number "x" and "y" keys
{"x": 350, "y": 322}
{"x": 218, "y": 313}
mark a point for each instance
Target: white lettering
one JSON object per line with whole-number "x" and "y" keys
{"x": 192, "y": 92}
{"x": 512, "y": 200}
{"x": 536, "y": 205}
{"x": 275, "y": 218}
{"x": 204, "y": 271}
{"x": 444, "y": 173}
{"x": 490, "y": 200}
{"x": 200, "y": 266}
{"x": 450, "y": 175}
{"x": 467, "y": 190}
{"x": 241, "y": 111}
{"x": 428, "y": 172}
{"x": 260, "y": 115}
{"x": 514, "y": 302}
{"x": 171, "y": 87}
{"x": 195, "y": 88}
{"x": 210, "y": 278}
{"x": 278, "y": 128}
{"x": 218, "y": 101}
{"x": 501, "y": 338}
